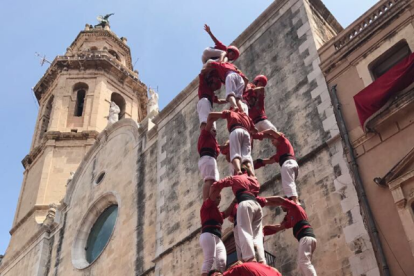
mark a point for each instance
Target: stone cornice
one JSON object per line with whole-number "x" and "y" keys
{"x": 361, "y": 31}
{"x": 104, "y": 33}
{"x": 176, "y": 101}
{"x": 98, "y": 60}
{"x": 57, "y": 136}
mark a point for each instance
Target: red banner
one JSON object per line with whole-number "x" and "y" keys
{"x": 370, "y": 100}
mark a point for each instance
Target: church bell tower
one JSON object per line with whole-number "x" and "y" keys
{"x": 74, "y": 97}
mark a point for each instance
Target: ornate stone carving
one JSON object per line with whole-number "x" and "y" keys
{"x": 152, "y": 106}
{"x": 49, "y": 221}
{"x": 113, "y": 116}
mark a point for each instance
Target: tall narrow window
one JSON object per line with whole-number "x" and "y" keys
{"x": 80, "y": 100}
{"x": 390, "y": 58}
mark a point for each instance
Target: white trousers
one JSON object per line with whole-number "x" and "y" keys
{"x": 250, "y": 229}
{"x": 203, "y": 109}
{"x": 208, "y": 168}
{"x": 264, "y": 125}
{"x": 214, "y": 251}
{"x": 307, "y": 246}
{"x": 289, "y": 173}
{"x": 240, "y": 145}
{"x": 237, "y": 243}
{"x": 245, "y": 108}
{"x": 211, "y": 52}
{"x": 234, "y": 85}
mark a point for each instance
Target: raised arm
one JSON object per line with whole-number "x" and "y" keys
{"x": 217, "y": 186}
{"x": 258, "y": 163}
{"x": 207, "y": 29}
{"x": 212, "y": 117}
{"x": 272, "y": 229}
{"x": 275, "y": 201}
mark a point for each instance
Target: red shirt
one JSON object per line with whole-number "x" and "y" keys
{"x": 249, "y": 91}
{"x": 220, "y": 46}
{"x": 239, "y": 182}
{"x": 284, "y": 147}
{"x": 209, "y": 211}
{"x": 257, "y": 112}
{"x": 251, "y": 269}
{"x": 204, "y": 91}
{"x": 237, "y": 119}
{"x": 295, "y": 213}
{"x": 207, "y": 144}
{"x": 223, "y": 68}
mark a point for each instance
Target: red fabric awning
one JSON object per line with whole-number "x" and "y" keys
{"x": 370, "y": 100}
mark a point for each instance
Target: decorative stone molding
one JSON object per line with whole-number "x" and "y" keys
{"x": 91, "y": 215}
{"x": 49, "y": 222}
{"x": 101, "y": 139}
{"x": 92, "y": 61}
{"x": 56, "y": 136}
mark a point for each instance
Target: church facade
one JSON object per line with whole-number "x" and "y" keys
{"x": 132, "y": 205}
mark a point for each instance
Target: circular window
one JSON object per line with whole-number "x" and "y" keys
{"x": 100, "y": 233}
{"x": 100, "y": 178}
{"x": 95, "y": 231}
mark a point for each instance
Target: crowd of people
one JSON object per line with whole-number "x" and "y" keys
{"x": 246, "y": 120}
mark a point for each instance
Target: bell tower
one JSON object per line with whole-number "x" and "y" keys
{"x": 74, "y": 97}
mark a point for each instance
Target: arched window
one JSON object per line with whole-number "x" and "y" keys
{"x": 80, "y": 89}
{"x": 100, "y": 233}
{"x": 119, "y": 100}
{"x": 114, "y": 54}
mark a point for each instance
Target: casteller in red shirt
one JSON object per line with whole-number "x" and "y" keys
{"x": 223, "y": 68}
{"x": 211, "y": 218}
{"x": 237, "y": 183}
{"x": 295, "y": 218}
{"x": 249, "y": 91}
{"x": 204, "y": 90}
{"x": 257, "y": 112}
{"x": 207, "y": 144}
{"x": 251, "y": 269}
{"x": 284, "y": 150}
{"x": 237, "y": 119}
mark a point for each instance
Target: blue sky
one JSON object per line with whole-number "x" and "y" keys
{"x": 166, "y": 37}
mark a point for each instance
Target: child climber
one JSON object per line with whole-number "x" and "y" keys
{"x": 219, "y": 52}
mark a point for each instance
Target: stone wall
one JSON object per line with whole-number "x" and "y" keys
{"x": 153, "y": 174}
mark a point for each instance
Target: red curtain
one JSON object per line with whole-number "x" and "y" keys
{"x": 369, "y": 100}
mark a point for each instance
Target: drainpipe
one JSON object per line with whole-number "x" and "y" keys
{"x": 359, "y": 186}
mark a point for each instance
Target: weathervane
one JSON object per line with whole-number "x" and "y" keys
{"x": 103, "y": 20}
{"x": 42, "y": 59}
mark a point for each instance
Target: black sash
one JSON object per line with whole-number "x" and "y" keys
{"x": 303, "y": 229}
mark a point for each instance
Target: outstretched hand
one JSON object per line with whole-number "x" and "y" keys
{"x": 207, "y": 28}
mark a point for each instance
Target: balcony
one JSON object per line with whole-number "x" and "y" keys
{"x": 367, "y": 22}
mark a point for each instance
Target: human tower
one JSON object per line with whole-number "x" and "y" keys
{"x": 246, "y": 120}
